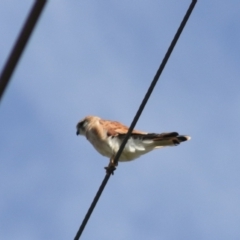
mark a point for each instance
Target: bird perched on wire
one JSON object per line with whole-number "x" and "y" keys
{"x": 107, "y": 136}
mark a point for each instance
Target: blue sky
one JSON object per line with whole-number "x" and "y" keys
{"x": 99, "y": 57}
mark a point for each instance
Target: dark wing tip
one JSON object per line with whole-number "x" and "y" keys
{"x": 176, "y": 142}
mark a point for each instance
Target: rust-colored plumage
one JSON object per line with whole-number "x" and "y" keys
{"x": 106, "y": 137}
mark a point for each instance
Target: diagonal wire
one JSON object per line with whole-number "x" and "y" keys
{"x": 155, "y": 79}
{"x": 20, "y": 44}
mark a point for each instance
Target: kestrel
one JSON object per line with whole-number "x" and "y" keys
{"x": 107, "y": 136}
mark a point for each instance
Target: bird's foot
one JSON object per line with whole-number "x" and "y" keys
{"x": 111, "y": 168}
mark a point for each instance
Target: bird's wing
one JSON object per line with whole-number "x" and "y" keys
{"x": 114, "y": 128}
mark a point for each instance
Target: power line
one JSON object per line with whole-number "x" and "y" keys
{"x": 20, "y": 44}
{"x": 138, "y": 114}
{"x": 155, "y": 79}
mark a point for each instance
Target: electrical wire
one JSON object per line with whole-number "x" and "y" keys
{"x": 138, "y": 114}
{"x": 20, "y": 44}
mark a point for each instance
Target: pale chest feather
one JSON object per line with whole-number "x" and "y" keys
{"x": 108, "y": 146}
{"x": 100, "y": 142}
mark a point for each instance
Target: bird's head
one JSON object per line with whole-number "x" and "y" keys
{"x": 84, "y": 124}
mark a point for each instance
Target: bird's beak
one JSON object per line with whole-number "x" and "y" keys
{"x": 77, "y": 132}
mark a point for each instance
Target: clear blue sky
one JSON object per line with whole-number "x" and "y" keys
{"x": 99, "y": 57}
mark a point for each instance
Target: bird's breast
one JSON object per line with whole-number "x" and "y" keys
{"x": 101, "y": 145}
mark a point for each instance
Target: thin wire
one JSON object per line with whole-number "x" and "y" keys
{"x": 20, "y": 45}
{"x": 94, "y": 202}
{"x": 155, "y": 79}
{"x": 164, "y": 61}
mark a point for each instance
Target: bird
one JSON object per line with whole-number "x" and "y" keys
{"x": 106, "y": 137}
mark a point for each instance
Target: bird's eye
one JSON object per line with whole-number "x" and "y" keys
{"x": 81, "y": 124}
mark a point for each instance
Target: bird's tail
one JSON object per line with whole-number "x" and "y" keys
{"x": 167, "y": 139}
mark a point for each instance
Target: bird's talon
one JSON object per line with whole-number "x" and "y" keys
{"x": 110, "y": 169}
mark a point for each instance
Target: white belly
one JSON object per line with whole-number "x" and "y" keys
{"x": 109, "y": 147}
